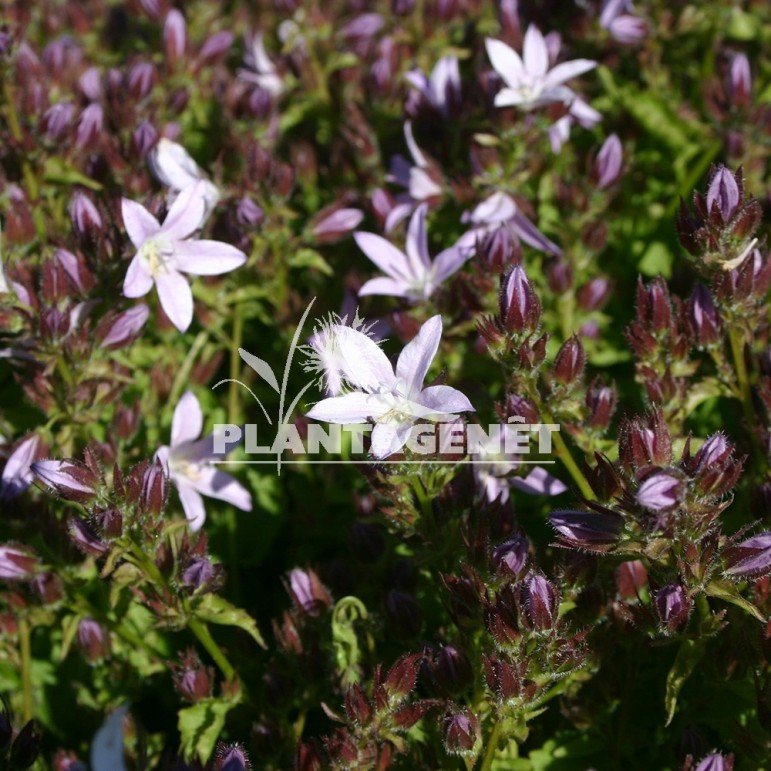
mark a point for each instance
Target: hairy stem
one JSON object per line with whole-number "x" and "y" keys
{"x": 492, "y": 747}
{"x": 201, "y": 631}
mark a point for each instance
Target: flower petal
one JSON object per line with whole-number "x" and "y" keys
{"x": 388, "y": 438}
{"x": 187, "y": 423}
{"x": 534, "y": 52}
{"x": 445, "y": 399}
{"x": 176, "y": 298}
{"x": 349, "y": 408}
{"x": 567, "y": 70}
{"x": 384, "y": 254}
{"x": 412, "y": 146}
{"x": 539, "y": 482}
{"x": 207, "y": 258}
{"x": 139, "y": 223}
{"x": 450, "y": 261}
{"x": 417, "y": 242}
{"x": 217, "y": 484}
{"x": 138, "y": 281}
{"x": 417, "y": 355}
{"x": 505, "y": 60}
{"x": 386, "y": 286}
{"x": 186, "y": 213}
{"x": 192, "y": 503}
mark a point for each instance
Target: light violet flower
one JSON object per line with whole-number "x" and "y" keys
{"x": 501, "y": 211}
{"x": 616, "y": 17}
{"x": 412, "y": 275}
{"x": 529, "y": 82}
{"x": 394, "y": 399}
{"x": 579, "y": 112}
{"x": 419, "y": 183}
{"x": 166, "y": 251}
{"x": 188, "y": 462}
{"x": 337, "y": 224}
{"x": 442, "y": 88}
{"x": 607, "y": 166}
{"x": 260, "y": 70}
{"x": 17, "y": 475}
{"x": 172, "y": 166}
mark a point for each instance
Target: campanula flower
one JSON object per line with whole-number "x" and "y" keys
{"x": 441, "y": 89}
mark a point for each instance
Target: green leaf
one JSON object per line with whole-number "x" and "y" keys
{"x": 217, "y": 610}
{"x": 200, "y": 727}
{"x": 689, "y": 655}
{"x": 310, "y": 258}
{"x": 656, "y": 259}
{"x": 724, "y": 590}
{"x": 55, "y": 170}
{"x": 347, "y": 612}
{"x": 69, "y": 630}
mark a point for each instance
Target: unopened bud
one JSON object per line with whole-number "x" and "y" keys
{"x": 541, "y": 602}
{"x": 461, "y": 734}
{"x": 174, "y": 35}
{"x": 673, "y": 607}
{"x": 570, "y": 362}
{"x": 93, "y": 639}
{"x": 607, "y": 167}
{"x": 17, "y": 563}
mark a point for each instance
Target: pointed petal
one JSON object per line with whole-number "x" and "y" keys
{"x": 187, "y": 423}
{"x": 388, "y": 438}
{"x": 384, "y": 254}
{"x": 349, "y": 408}
{"x": 391, "y": 287}
{"x": 450, "y": 261}
{"x": 138, "y": 281}
{"x": 397, "y": 214}
{"x": 446, "y": 399}
{"x": 207, "y": 258}
{"x": 192, "y": 503}
{"x": 567, "y": 70}
{"x": 539, "y": 482}
{"x": 217, "y": 484}
{"x": 362, "y": 360}
{"x": 176, "y": 298}
{"x": 412, "y": 146}
{"x": 417, "y": 355}
{"x": 510, "y": 97}
{"x": 505, "y": 60}
{"x": 534, "y": 52}
{"x": 139, "y": 223}
{"x": 186, "y": 213}
{"x": 417, "y": 242}
{"x": 422, "y": 185}
{"x": 530, "y": 234}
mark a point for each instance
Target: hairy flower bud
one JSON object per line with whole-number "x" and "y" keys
{"x": 58, "y": 120}
{"x": 660, "y": 492}
{"x": 702, "y": 316}
{"x": 723, "y": 194}
{"x": 337, "y": 224}
{"x": 86, "y": 539}
{"x": 141, "y": 78}
{"x": 90, "y": 126}
{"x": 740, "y": 81}
{"x": 192, "y": 680}
{"x": 541, "y": 602}
{"x": 750, "y": 558}
{"x": 510, "y": 557}
{"x": 26, "y": 747}
{"x": 451, "y": 670}
{"x": 216, "y": 46}
{"x": 84, "y": 214}
{"x": 154, "y": 489}
{"x": 93, "y": 639}
{"x": 583, "y": 528}
{"x": 199, "y": 573}
{"x": 17, "y": 563}
{"x": 672, "y": 606}
{"x": 643, "y": 443}
{"x": 560, "y": 276}
{"x": 70, "y": 479}
{"x": 570, "y": 362}
{"x": 716, "y": 762}
{"x": 308, "y": 593}
{"x": 461, "y": 734}
{"x": 631, "y": 577}
{"x": 143, "y": 139}
{"x": 601, "y": 403}
{"x": 49, "y": 587}
{"x": 520, "y": 308}
{"x": 231, "y": 757}
{"x": 118, "y": 331}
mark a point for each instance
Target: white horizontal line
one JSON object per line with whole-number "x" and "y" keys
{"x": 376, "y": 462}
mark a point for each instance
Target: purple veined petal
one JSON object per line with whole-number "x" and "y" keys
{"x": 363, "y": 361}
{"x": 530, "y": 234}
{"x": 140, "y": 224}
{"x": 192, "y": 503}
{"x": 399, "y": 212}
{"x": 539, "y": 482}
{"x": 422, "y": 186}
{"x": 505, "y": 60}
{"x": 535, "y": 55}
{"x": 567, "y": 70}
{"x": 724, "y": 190}
{"x": 349, "y": 408}
{"x": 417, "y": 355}
{"x": 446, "y": 399}
{"x": 417, "y": 242}
{"x": 186, "y": 213}
{"x": 176, "y": 298}
{"x": 138, "y": 281}
{"x": 412, "y": 146}
{"x": 217, "y": 484}
{"x": 384, "y": 254}
{"x": 60, "y": 474}
{"x": 207, "y": 258}
{"x": 388, "y": 438}
{"x": 17, "y": 475}
{"x": 450, "y": 261}
{"x": 187, "y": 423}
{"x": 391, "y": 287}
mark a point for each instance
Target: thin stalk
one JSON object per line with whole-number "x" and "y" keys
{"x": 492, "y": 747}
{"x": 235, "y": 366}
{"x": 187, "y": 365}
{"x": 563, "y": 453}
{"x": 736, "y": 339}
{"x": 201, "y": 631}
{"x": 25, "y": 652}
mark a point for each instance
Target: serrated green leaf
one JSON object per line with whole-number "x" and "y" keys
{"x": 200, "y": 727}
{"x": 689, "y": 655}
{"x": 724, "y": 590}
{"x": 217, "y": 610}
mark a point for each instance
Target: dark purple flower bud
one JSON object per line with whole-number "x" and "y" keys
{"x": 461, "y": 734}
{"x": 73, "y": 267}
{"x": 452, "y": 670}
{"x": 750, "y": 558}
{"x": 192, "y": 679}
{"x": 248, "y": 213}
{"x": 713, "y": 452}
{"x": 141, "y": 78}
{"x": 673, "y": 606}
{"x": 631, "y": 577}
{"x": 154, "y": 489}
{"x": 58, "y": 120}
{"x": 84, "y": 215}
{"x": 594, "y": 295}
{"x": 90, "y": 126}
{"x": 174, "y": 36}
{"x": 123, "y": 329}
{"x": 499, "y": 247}
{"x": 86, "y": 539}
{"x": 723, "y": 193}
{"x": 216, "y": 46}
{"x": 511, "y": 557}
{"x": 570, "y": 362}
{"x": 401, "y": 677}
{"x": 716, "y": 762}
{"x": 198, "y": 573}
{"x": 560, "y": 277}
{"x": 403, "y": 614}
{"x": 93, "y": 639}
{"x": 740, "y": 81}
{"x": 508, "y": 12}
{"x": 703, "y": 316}
{"x": 660, "y": 492}
{"x": 520, "y": 308}
{"x": 144, "y": 138}
{"x": 601, "y": 402}
{"x": 642, "y": 445}
{"x": 18, "y": 563}
{"x": 231, "y": 757}
{"x": 587, "y": 528}
{"x": 26, "y": 747}
{"x": 607, "y": 167}
{"x": 308, "y": 593}
{"x": 337, "y": 225}
{"x": 260, "y": 103}
{"x": 48, "y": 587}
{"x": 541, "y": 602}
{"x": 68, "y": 478}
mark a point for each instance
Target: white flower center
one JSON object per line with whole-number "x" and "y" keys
{"x": 158, "y": 254}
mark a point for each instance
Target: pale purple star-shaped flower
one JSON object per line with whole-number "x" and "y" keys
{"x": 416, "y": 178}
{"x": 529, "y": 81}
{"x": 260, "y": 70}
{"x": 394, "y": 398}
{"x": 412, "y": 275}
{"x": 440, "y": 89}
{"x": 579, "y": 112}
{"x": 188, "y": 462}
{"x": 500, "y": 210}
{"x": 165, "y": 252}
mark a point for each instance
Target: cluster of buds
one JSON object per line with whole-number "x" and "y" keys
{"x": 719, "y": 231}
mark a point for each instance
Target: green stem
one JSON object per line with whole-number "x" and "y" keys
{"x": 736, "y": 339}
{"x": 187, "y": 365}
{"x": 563, "y": 453}
{"x": 25, "y": 652}
{"x": 235, "y": 365}
{"x": 492, "y": 747}
{"x": 16, "y": 133}
{"x": 201, "y": 631}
